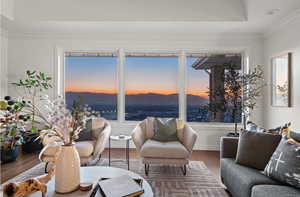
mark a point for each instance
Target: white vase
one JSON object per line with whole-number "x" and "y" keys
{"x": 67, "y": 172}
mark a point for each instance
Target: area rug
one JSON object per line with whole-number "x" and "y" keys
{"x": 166, "y": 181}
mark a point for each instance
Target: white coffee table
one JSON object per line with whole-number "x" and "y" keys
{"x": 92, "y": 175}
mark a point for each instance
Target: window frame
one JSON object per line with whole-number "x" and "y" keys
{"x": 121, "y": 54}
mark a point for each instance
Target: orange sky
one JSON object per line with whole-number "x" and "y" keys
{"x": 131, "y": 92}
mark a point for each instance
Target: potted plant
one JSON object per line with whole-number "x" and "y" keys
{"x": 33, "y": 86}
{"x": 240, "y": 94}
{"x": 252, "y": 86}
{"x": 11, "y": 126}
{"x": 65, "y": 128}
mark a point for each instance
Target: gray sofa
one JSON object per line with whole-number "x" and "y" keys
{"x": 242, "y": 181}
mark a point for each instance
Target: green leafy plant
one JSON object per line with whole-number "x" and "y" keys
{"x": 33, "y": 85}
{"x": 11, "y": 123}
{"x": 241, "y": 91}
{"x": 252, "y": 85}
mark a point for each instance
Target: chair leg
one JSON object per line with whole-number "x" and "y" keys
{"x": 46, "y": 166}
{"x": 147, "y": 169}
{"x": 183, "y": 168}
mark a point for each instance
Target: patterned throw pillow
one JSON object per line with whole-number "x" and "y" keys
{"x": 165, "y": 130}
{"x": 284, "y": 165}
{"x": 283, "y": 130}
{"x": 251, "y": 126}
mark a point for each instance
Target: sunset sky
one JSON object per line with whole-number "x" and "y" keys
{"x": 142, "y": 75}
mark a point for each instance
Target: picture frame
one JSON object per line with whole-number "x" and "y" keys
{"x": 281, "y": 80}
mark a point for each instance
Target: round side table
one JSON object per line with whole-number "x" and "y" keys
{"x": 92, "y": 175}
{"x": 119, "y": 138}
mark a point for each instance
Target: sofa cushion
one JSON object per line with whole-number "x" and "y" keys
{"x": 274, "y": 191}
{"x": 295, "y": 136}
{"x": 84, "y": 148}
{"x": 240, "y": 179}
{"x": 256, "y": 148}
{"x": 165, "y": 130}
{"x": 172, "y": 150}
{"x": 284, "y": 166}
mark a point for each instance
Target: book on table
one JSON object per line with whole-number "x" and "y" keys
{"x": 122, "y": 186}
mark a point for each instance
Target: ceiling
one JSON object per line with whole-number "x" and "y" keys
{"x": 179, "y": 16}
{"x": 130, "y": 10}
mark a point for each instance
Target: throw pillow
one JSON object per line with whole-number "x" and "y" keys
{"x": 85, "y": 135}
{"x": 256, "y": 148}
{"x": 283, "y": 130}
{"x": 251, "y": 126}
{"x": 149, "y": 124}
{"x": 165, "y": 130}
{"x": 284, "y": 165}
{"x": 180, "y": 130}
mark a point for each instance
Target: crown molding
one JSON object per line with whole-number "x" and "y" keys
{"x": 117, "y": 36}
{"x": 289, "y": 19}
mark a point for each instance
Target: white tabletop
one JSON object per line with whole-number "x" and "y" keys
{"x": 118, "y": 138}
{"x": 92, "y": 175}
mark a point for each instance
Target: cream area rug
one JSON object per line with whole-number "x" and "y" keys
{"x": 166, "y": 181}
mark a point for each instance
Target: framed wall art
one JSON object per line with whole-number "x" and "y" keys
{"x": 281, "y": 80}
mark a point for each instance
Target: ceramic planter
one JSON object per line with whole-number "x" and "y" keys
{"x": 10, "y": 154}
{"x": 67, "y": 172}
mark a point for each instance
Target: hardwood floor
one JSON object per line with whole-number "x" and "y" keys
{"x": 23, "y": 163}
{"x": 27, "y": 161}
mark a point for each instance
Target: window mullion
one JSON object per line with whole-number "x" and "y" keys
{"x": 182, "y": 85}
{"x": 121, "y": 86}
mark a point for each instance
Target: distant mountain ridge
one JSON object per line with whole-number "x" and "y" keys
{"x": 133, "y": 99}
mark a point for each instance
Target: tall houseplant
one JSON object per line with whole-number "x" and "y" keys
{"x": 241, "y": 91}
{"x": 33, "y": 85}
{"x": 252, "y": 86}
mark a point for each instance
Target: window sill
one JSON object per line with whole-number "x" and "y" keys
{"x": 193, "y": 124}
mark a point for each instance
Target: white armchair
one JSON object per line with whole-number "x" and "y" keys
{"x": 164, "y": 153}
{"x": 88, "y": 150}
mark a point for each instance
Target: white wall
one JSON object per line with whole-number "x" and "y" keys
{"x": 3, "y": 62}
{"x": 286, "y": 39}
{"x": 38, "y": 52}
{"x": 7, "y": 9}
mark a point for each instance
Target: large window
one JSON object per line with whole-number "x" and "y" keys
{"x": 195, "y": 87}
{"x": 151, "y": 87}
{"x": 211, "y": 94}
{"x": 92, "y": 80}
{"x": 197, "y": 92}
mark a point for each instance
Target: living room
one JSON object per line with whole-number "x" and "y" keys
{"x": 123, "y": 69}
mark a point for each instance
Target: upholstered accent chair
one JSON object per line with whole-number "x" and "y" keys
{"x": 164, "y": 153}
{"x": 88, "y": 150}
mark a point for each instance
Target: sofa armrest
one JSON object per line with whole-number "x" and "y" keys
{"x": 189, "y": 137}
{"x": 229, "y": 147}
{"x": 138, "y": 137}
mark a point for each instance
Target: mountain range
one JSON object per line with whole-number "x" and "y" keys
{"x": 133, "y": 99}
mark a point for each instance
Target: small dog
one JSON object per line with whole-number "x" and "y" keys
{"x": 24, "y": 188}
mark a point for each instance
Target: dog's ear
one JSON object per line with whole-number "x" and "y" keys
{"x": 10, "y": 189}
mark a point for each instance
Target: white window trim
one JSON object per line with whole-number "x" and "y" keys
{"x": 121, "y": 55}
